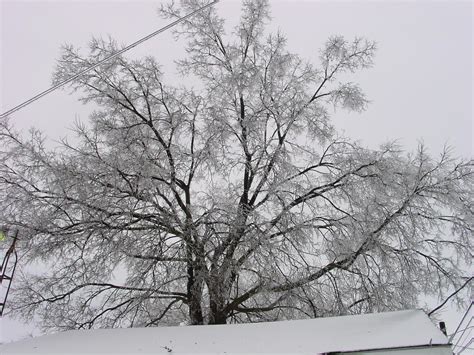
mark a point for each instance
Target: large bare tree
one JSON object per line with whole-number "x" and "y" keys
{"x": 236, "y": 201}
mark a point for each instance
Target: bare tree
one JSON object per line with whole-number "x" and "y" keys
{"x": 235, "y": 202}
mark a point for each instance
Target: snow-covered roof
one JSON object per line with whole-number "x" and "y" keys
{"x": 309, "y": 336}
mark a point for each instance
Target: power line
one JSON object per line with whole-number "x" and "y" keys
{"x": 465, "y": 347}
{"x": 134, "y": 44}
{"x": 461, "y": 322}
{"x": 462, "y": 341}
{"x": 464, "y": 329}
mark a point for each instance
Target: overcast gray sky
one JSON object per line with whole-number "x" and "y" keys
{"x": 420, "y": 86}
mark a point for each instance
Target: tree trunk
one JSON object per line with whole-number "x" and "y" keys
{"x": 217, "y": 316}
{"x": 194, "y": 298}
{"x": 195, "y": 310}
{"x": 217, "y": 301}
{"x": 194, "y": 290}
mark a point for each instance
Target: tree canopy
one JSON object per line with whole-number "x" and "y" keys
{"x": 233, "y": 201}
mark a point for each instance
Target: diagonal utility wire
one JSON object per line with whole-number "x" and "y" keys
{"x": 134, "y": 44}
{"x": 466, "y": 347}
{"x": 461, "y": 322}
{"x": 462, "y": 341}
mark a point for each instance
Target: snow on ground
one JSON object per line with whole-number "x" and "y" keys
{"x": 310, "y": 336}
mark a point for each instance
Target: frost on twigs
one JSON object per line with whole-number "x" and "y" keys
{"x": 232, "y": 203}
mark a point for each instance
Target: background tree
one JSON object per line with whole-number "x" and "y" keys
{"x": 236, "y": 201}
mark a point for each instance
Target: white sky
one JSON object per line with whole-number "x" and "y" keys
{"x": 420, "y": 86}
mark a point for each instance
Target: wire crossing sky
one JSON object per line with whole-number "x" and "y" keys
{"x": 116, "y": 54}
